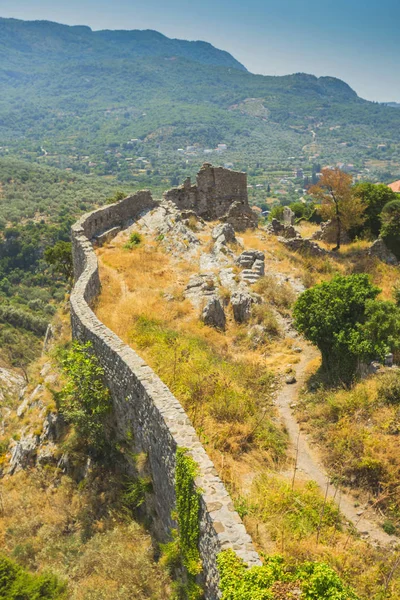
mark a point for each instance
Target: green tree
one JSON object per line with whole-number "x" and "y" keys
{"x": 347, "y": 323}
{"x": 374, "y": 197}
{"x": 60, "y": 256}
{"x": 390, "y": 230}
{"x": 85, "y": 401}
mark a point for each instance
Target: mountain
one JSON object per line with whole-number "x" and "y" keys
{"x": 72, "y": 96}
{"x": 47, "y": 41}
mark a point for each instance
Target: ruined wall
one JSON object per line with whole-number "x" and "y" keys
{"x": 145, "y": 407}
{"x": 215, "y": 191}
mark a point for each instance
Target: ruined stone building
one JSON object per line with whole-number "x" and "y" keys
{"x": 219, "y": 193}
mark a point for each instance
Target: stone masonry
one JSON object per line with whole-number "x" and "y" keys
{"x": 218, "y": 194}
{"x": 146, "y": 412}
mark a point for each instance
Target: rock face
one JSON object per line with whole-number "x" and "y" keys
{"x": 327, "y": 233}
{"x": 201, "y": 287}
{"x": 23, "y": 454}
{"x": 171, "y": 228}
{"x": 381, "y": 251}
{"x": 218, "y": 194}
{"x": 213, "y": 314}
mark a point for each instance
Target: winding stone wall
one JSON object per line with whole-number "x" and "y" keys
{"x": 146, "y": 412}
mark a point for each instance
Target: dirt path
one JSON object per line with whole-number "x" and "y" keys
{"x": 309, "y": 466}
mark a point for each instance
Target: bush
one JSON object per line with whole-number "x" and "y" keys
{"x": 389, "y": 387}
{"x": 134, "y": 240}
{"x": 85, "y": 401}
{"x": 17, "y": 584}
{"x": 317, "y": 581}
{"x": 343, "y": 318}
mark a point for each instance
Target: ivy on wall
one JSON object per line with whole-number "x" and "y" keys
{"x": 182, "y": 555}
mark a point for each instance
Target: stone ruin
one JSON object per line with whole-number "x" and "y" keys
{"x": 219, "y": 193}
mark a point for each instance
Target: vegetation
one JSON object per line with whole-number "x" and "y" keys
{"x": 17, "y": 584}
{"x": 390, "y": 231}
{"x": 183, "y": 551}
{"x": 337, "y": 201}
{"x": 373, "y": 197}
{"x": 275, "y": 579}
{"x": 85, "y": 401}
{"x": 357, "y": 431}
{"x": 60, "y": 256}
{"x": 347, "y": 323}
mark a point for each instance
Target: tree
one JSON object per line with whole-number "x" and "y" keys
{"x": 347, "y": 323}
{"x": 390, "y": 230}
{"x": 374, "y": 197}
{"x": 60, "y": 256}
{"x": 333, "y": 190}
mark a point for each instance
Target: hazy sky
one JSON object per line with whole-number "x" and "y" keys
{"x": 355, "y": 40}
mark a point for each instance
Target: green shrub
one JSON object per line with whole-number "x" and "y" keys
{"x": 134, "y": 240}
{"x": 389, "y": 387}
{"x": 345, "y": 321}
{"x": 17, "y": 584}
{"x": 85, "y": 401}
{"x": 316, "y": 581}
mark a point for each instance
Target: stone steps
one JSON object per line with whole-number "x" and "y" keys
{"x": 250, "y": 276}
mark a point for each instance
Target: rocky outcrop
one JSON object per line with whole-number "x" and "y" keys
{"x": 23, "y": 454}
{"x": 146, "y": 412}
{"x": 304, "y": 246}
{"x": 288, "y": 216}
{"x": 282, "y": 230}
{"x": 242, "y": 303}
{"x": 213, "y": 314}
{"x": 328, "y": 233}
{"x": 382, "y": 252}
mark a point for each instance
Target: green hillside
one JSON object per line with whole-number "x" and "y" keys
{"x": 75, "y": 92}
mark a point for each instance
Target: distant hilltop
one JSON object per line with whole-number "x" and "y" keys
{"x": 39, "y": 37}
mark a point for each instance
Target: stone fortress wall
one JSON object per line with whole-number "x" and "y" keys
{"x": 145, "y": 410}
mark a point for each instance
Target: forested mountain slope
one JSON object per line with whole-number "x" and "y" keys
{"x": 79, "y": 91}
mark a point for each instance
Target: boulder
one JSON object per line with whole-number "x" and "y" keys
{"x": 303, "y": 245}
{"x": 225, "y": 231}
{"x": 241, "y": 305}
{"x": 281, "y": 229}
{"x": 382, "y": 252}
{"x": 328, "y": 232}
{"x": 240, "y": 216}
{"x": 288, "y": 216}
{"x": 213, "y": 314}
{"x": 53, "y": 427}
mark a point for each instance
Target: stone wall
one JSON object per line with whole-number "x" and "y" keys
{"x": 215, "y": 191}
{"x": 145, "y": 409}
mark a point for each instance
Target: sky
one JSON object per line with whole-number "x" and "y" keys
{"x": 355, "y": 40}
